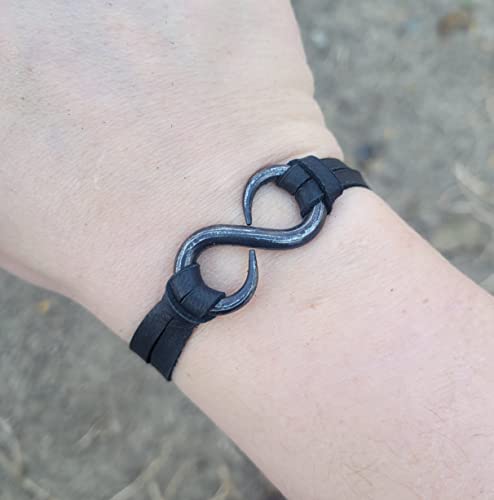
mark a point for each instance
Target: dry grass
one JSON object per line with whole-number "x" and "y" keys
{"x": 478, "y": 194}
{"x": 145, "y": 485}
{"x": 12, "y": 463}
{"x": 479, "y": 203}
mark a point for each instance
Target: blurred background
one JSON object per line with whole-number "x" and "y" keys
{"x": 408, "y": 89}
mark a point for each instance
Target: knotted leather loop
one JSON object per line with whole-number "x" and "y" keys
{"x": 163, "y": 333}
{"x": 312, "y": 180}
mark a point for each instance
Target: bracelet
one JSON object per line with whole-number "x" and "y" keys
{"x": 188, "y": 301}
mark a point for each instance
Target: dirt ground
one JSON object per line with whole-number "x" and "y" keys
{"x": 408, "y": 87}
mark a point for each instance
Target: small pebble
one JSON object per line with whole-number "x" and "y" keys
{"x": 43, "y": 306}
{"x": 408, "y": 27}
{"x": 319, "y": 39}
{"x": 367, "y": 152}
{"x": 458, "y": 20}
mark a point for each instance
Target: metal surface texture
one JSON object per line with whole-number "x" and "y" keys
{"x": 250, "y": 236}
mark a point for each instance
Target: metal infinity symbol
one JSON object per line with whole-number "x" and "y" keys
{"x": 250, "y": 236}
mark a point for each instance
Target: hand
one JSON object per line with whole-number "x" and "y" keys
{"x": 124, "y": 128}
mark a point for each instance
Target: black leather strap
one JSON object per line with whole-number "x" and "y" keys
{"x": 163, "y": 333}
{"x": 187, "y": 302}
{"x": 312, "y": 180}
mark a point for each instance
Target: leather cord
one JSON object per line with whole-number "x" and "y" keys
{"x": 163, "y": 333}
{"x": 312, "y": 180}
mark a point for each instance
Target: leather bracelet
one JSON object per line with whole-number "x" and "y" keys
{"x": 188, "y": 301}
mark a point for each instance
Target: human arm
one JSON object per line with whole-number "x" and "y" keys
{"x": 351, "y": 366}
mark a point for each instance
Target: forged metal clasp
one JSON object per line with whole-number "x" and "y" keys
{"x": 251, "y": 236}
{"x": 188, "y": 301}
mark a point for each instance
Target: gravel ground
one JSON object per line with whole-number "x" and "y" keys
{"x": 408, "y": 88}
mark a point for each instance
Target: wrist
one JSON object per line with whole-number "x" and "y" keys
{"x": 349, "y": 348}
{"x": 210, "y": 193}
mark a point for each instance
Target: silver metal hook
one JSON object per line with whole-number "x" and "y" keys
{"x": 253, "y": 237}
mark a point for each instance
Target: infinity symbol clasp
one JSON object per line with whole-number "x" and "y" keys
{"x": 250, "y": 236}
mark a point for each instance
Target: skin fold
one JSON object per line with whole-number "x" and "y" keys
{"x": 362, "y": 367}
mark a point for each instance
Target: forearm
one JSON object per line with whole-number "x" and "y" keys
{"x": 362, "y": 364}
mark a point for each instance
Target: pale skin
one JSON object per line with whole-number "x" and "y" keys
{"x": 363, "y": 366}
